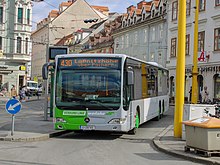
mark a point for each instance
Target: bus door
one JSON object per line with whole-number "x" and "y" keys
{"x": 130, "y": 95}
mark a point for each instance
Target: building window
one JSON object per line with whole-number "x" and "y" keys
{"x": 0, "y": 43}
{"x": 135, "y": 37}
{"x": 117, "y": 44}
{"x": 217, "y": 86}
{"x": 174, "y": 10}
{"x": 153, "y": 37}
{"x": 26, "y": 46}
{"x": 127, "y": 40}
{"x": 122, "y": 42}
{"x": 28, "y": 16}
{"x": 1, "y": 14}
{"x": 123, "y": 24}
{"x": 161, "y": 10}
{"x": 20, "y": 15}
{"x": 145, "y": 35}
{"x": 201, "y": 41}
{"x": 217, "y": 39}
{"x": 187, "y": 43}
{"x": 19, "y": 45}
{"x": 173, "y": 47}
{"x": 188, "y": 7}
{"x": 161, "y": 30}
{"x": 202, "y": 4}
{"x": 153, "y": 13}
{"x": 217, "y": 2}
{"x": 143, "y": 16}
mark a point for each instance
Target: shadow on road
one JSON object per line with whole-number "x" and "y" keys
{"x": 91, "y": 135}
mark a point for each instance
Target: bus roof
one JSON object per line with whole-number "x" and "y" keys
{"x": 110, "y": 55}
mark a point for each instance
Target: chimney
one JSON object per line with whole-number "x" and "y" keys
{"x": 131, "y": 8}
{"x": 141, "y": 4}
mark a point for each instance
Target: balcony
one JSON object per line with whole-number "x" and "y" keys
{"x": 21, "y": 58}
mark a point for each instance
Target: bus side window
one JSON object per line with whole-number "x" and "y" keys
{"x": 128, "y": 89}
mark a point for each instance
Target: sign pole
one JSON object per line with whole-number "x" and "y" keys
{"x": 13, "y": 106}
{"x": 195, "y": 58}
{"x": 180, "y": 70}
{"x": 13, "y": 125}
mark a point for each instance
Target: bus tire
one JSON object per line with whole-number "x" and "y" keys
{"x": 157, "y": 118}
{"x": 133, "y": 131}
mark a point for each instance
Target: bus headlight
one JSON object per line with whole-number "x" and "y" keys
{"x": 61, "y": 120}
{"x": 117, "y": 121}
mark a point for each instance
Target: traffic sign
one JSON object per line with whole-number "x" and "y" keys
{"x": 13, "y": 106}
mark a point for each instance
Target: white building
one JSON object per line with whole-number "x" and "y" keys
{"x": 143, "y": 33}
{"x": 15, "y": 45}
{"x": 208, "y": 43}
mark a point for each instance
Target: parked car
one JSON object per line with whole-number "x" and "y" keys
{"x": 32, "y": 88}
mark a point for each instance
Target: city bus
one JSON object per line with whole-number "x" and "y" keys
{"x": 106, "y": 92}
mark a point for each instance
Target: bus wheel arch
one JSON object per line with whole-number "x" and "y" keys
{"x": 163, "y": 107}
{"x": 137, "y": 122}
{"x": 159, "y": 111}
{"x": 137, "y": 117}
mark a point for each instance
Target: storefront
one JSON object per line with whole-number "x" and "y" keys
{"x": 207, "y": 76}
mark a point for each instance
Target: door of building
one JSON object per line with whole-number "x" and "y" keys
{"x": 200, "y": 87}
{"x": 21, "y": 81}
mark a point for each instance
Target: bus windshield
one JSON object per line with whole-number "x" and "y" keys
{"x": 92, "y": 89}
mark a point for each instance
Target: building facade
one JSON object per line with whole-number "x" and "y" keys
{"x": 59, "y": 23}
{"x": 208, "y": 46}
{"x": 15, "y": 42}
{"x": 143, "y": 33}
{"x": 101, "y": 40}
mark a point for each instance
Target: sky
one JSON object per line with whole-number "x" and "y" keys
{"x": 42, "y": 9}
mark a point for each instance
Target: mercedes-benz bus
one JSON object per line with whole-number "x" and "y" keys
{"x": 106, "y": 92}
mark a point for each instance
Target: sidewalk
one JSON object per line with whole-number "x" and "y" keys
{"x": 30, "y": 129}
{"x": 3, "y": 99}
{"x": 167, "y": 143}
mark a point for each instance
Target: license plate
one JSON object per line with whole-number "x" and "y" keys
{"x": 91, "y": 127}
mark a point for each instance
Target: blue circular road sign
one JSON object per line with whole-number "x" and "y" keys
{"x": 13, "y": 106}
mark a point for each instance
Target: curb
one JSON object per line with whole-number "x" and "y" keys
{"x": 30, "y": 138}
{"x": 35, "y": 137}
{"x": 184, "y": 155}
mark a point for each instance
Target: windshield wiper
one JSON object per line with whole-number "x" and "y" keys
{"x": 99, "y": 103}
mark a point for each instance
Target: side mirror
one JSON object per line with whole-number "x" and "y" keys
{"x": 45, "y": 69}
{"x": 130, "y": 78}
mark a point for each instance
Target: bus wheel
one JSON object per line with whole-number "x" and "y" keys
{"x": 137, "y": 123}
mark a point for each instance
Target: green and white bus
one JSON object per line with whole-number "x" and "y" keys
{"x": 106, "y": 92}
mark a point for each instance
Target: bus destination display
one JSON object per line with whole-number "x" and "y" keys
{"x": 90, "y": 62}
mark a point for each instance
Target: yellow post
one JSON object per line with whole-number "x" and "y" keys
{"x": 195, "y": 57}
{"x": 180, "y": 71}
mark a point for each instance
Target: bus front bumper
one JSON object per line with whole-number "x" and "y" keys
{"x": 89, "y": 127}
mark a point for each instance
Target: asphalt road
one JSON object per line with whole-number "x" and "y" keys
{"x": 95, "y": 148}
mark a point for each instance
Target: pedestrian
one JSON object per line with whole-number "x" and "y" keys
{"x": 13, "y": 92}
{"x": 205, "y": 95}
{"x": 22, "y": 94}
{"x": 190, "y": 94}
